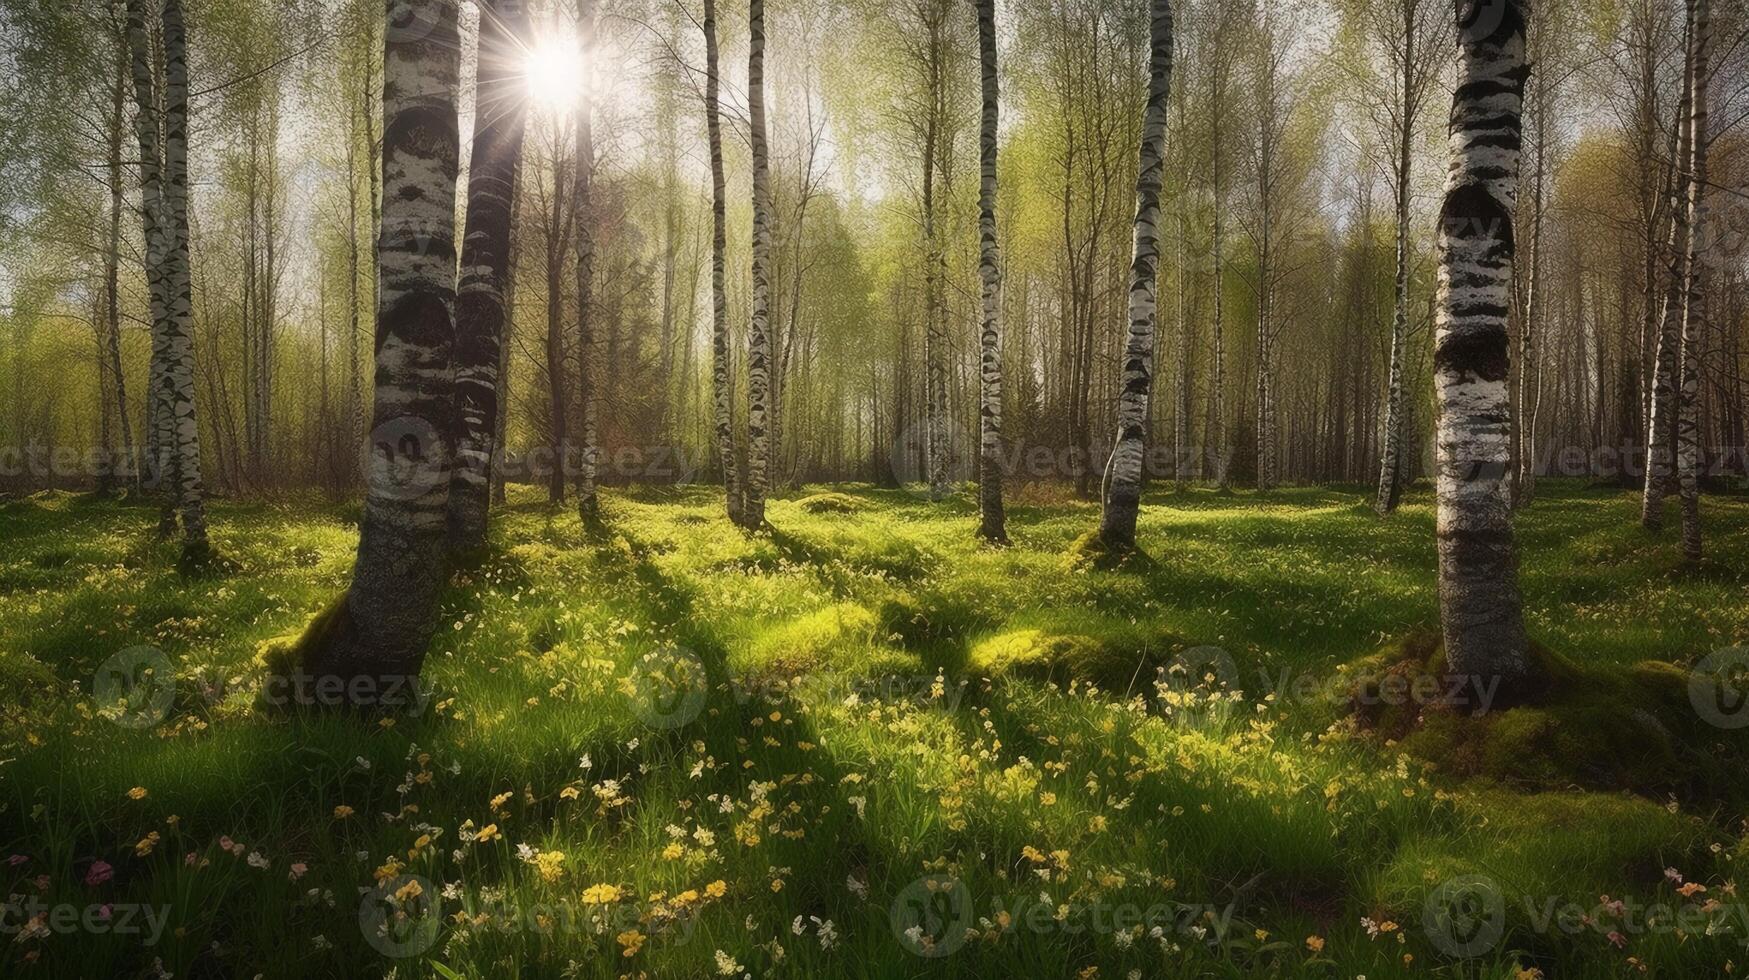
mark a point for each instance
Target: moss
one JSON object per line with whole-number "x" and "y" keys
{"x": 1092, "y": 550}
{"x": 1622, "y": 729}
{"x": 927, "y": 618}
{"x": 1115, "y": 664}
{"x": 832, "y": 503}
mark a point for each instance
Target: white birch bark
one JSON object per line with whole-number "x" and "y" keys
{"x": 993, "y": 525}
{"x": 588, "y": 502}
{"x": 759, "y": 331}
{"x": 1480, "y": 604}
{"x": 722, "y": 388}
{"x": 1694, "y": 313}
{"x": 1667, "y": 364}
{"x": 376, "y": 639}
{"x": 1124, "y": 473}
{"x": 500, "y": 112}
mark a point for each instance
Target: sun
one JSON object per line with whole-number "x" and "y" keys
{"x": 553, "y": 68}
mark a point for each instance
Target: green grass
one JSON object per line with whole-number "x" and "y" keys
{"x": 887, "y": 704}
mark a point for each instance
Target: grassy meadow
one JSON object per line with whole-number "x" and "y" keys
{"x": 862, "y": 745}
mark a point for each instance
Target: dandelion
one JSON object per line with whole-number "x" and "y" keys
{"x": 342, "y": 811}
{"x": 631, "y": 941}
{"x": 1315, "y": 944}
{"x": 716, "y": 889}
{"x": 137, "y": 793}
{"x": 601, "y": 894}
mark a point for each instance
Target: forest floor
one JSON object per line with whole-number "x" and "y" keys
{"x": 913, "y": 756}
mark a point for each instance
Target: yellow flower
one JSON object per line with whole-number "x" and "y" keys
{"x": 673, "y": 852}
{"x": 632, "y": 940}
{"x": 716, "y": 889}
{"x": 342, "y": 811}
{"x": 777, "y": 884}
{"x": 551, "y": 865}
{"x": 408, "y": 891}
{"x": 137, "y": 793}
{"x": 499, "y": 801}
{"x": 1048, "y": 798}
{"x": 487, "y": 833}
{"x": 601, "y": 894}
{"x": 1262, "y": 935}
{"x": 570, "y": 793}
{"x": 1315, "y": 943}
{"x": 146, "y": 844}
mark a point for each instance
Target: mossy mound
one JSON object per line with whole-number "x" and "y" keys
{"x": 1092, "y": 550}
{"x": 832, "y": 503}
{"x": 927, "y": 618}
{"x": 1627, "y": 729}
{"x": 1062, "y": 658}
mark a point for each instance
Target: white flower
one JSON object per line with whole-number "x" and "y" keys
{"x": 828, "y": 933}
{"x": 726, "y": 964}
{"x": 798, "y": 926}
{"x": 257, "y": 861}
{"x": 857, "y": 888}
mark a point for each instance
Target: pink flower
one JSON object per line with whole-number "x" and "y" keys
{"x": 225, "y": 843}
{"x": 1620, "y": 941}
{"x": 104, "y": 913}
{"x": 298, "y": 870}
{"x": 16, "y": 860}
{"x": 99, "y": 873}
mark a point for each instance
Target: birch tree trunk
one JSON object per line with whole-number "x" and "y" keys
{"x": 375, "y": 639}
{"x": 1661, "y": 424}
{"x": 1124, "y": 473}
{"x": 588, "y": 503}
{"x": 179, "y": 293}
{"x": 499, "y": 122}
{"x": 1529, "y": 370}
{"x": 1480, "y": 606}
{"x": 1390, "y": 492}
{"x": 147, "y": 126}
{"x": 994, "y": 521}
{"x": 1694, "y": 313}
{"x": 722, "y": 390}
{"x": 112, "y": 266}
{"x": 759, "y": 331}
{"x": 934, "y": 327}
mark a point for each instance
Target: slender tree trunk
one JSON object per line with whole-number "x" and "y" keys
{"x": 1661, "y": 425}
{"x": 375, "y": 640}
{"x": 588, "y": 503}
{"x": 1480, "y": 604}
{"x": 993, "y": 524}
{"x": 935, "y": 334}
{"x": 354, "y": 369}
{"x": 112, "y": 266}
{"x": 759, "y": 331}
{"x": 1529, "y": 366}
{"x": 1390, "y": 492}
{"x": 501, "y": 426}
{"x": 499, "y": 119}
{"x": 722, "y": 388}
{"x": 1694, "y": 314}
{"x": 1124, "y": 473}
{"x": 147, "y": 130}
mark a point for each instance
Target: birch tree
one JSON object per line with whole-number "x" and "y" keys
{"x": 759, "y": 330}
{"x": 1667, "y": 366}
{"x": 1401, "y": 34}
{"x": 1480, "y": 606}
{"x": 374, "y": 640}
{"x": 164, "y": 207}
{"x": 588, "y": 502}
{"x": 722, "y": 391}
{"x": 1124, "y": 472}
{"x": 1694, "y": 311}
{"x": 482, "y": 287}
{"x": 993, "y": 525}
